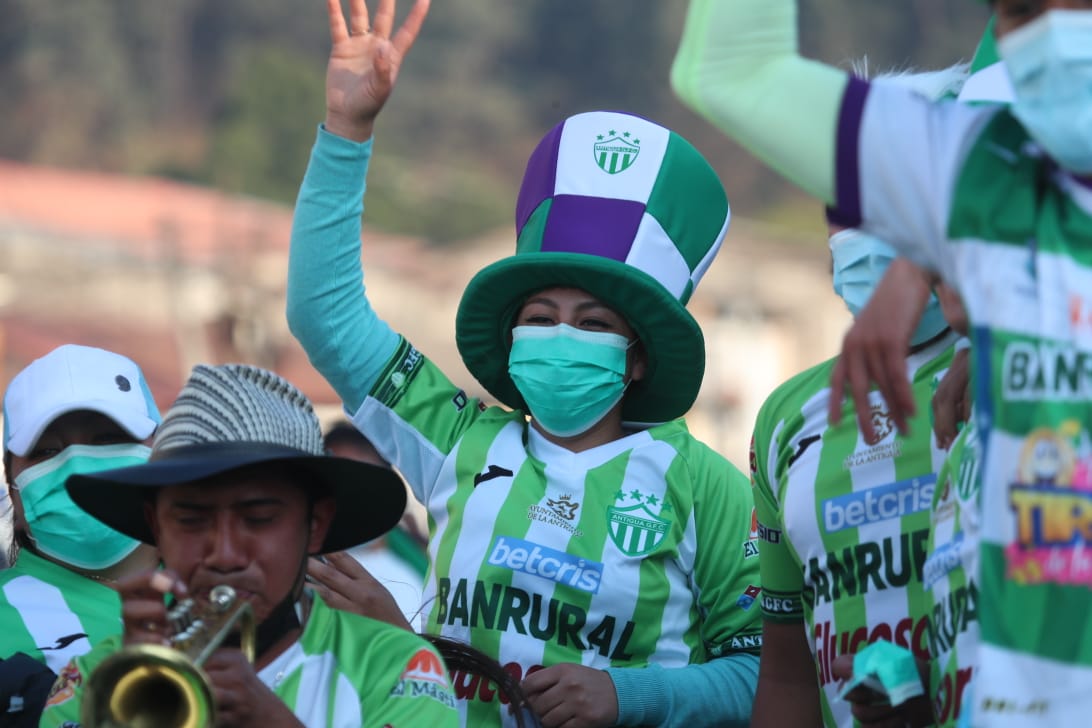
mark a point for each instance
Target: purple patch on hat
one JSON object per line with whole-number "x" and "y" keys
{"x": 540, "y": 176}
{"x": 592, "y": 225}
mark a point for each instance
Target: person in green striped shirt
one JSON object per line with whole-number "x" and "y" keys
{"x": 949, "y": 572}
{"x": 76, "y": 409}
{"x": 997, "y": 199}
{"x": 579, "y": 535}
{"x": 239, "y": 492}
{"x": 843, "y": 517}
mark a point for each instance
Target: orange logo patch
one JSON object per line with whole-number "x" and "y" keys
{"x": 65, "y": 688}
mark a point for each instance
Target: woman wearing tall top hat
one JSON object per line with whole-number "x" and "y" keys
{"x": 579, "y": 534}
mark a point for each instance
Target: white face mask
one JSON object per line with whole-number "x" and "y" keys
{"x": 1050, "y": 63}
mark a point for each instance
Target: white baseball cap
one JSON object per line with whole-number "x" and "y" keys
{"x": 71, "y": 378}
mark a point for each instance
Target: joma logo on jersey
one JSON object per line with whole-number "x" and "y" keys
{"x": 881, "y": 503}
{"x": 1040, "y": 371}
{"x": 616, "y": 153}
{"x": 635, "y": 530}
{"x": 557, "y": 566}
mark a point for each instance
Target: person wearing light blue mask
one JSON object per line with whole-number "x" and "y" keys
{"x": 807, "y": 472}
{"x": 996, "y": 199}
{"x": 1049, "y": 62}
{"x": 859, "y": 261}
{"x": 76, "y": 410}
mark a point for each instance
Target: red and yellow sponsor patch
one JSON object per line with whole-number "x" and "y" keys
{"x": 425, "y": 676}
{"x": 64, "y": 689}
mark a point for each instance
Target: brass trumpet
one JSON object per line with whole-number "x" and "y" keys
{"x": 155, "y": 686}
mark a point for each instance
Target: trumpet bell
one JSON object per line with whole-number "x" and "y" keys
{"x": 147, "y": 686}
{"x": 155, "y": 686}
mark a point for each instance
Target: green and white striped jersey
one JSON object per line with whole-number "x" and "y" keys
{"x": 636, "y": 552}
{"x": 843, "y": 522}
{"x": 345, "y": 671}
{"x": 52, "y": 613}
{"x": 950, "y": 578}
{"x": 965, "y": 191}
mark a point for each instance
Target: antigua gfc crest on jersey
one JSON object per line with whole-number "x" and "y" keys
{"x": 541, "y": 555}
{"x": 635, "y": 529}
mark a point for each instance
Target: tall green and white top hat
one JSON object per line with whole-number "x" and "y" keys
{"x": 628, "y": 211}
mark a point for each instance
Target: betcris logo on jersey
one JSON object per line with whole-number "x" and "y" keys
{"x": 558, "y": 566}
{"x": 881, "y": 503}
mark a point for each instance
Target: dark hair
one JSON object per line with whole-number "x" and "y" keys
{"x": 344, "y": 432}
{"x": 461, "y": 656}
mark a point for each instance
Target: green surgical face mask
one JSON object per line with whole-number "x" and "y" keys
{"x": 569, "y": 378}
{"x": 60, "y": 528}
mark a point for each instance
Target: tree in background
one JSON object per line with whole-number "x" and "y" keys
{"x": 223, "y": 93}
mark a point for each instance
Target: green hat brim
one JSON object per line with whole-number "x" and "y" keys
{"x": 671, "y": 338}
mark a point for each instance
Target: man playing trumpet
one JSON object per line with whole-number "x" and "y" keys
{"x": 238, "y": 492}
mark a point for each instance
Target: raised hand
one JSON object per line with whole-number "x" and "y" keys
{"x": 364, "y": 62}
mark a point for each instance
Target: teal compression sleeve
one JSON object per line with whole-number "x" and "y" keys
{"x": 716, "y": 693}
{"x": 327, "y": 309}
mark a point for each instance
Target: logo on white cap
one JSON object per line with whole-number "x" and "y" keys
{"x": 71, "y": 378}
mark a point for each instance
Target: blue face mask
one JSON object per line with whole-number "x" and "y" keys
{"x": 1050, "y": 63}
{"x": 60, "y": 528}
{"x": 860, "y": 260}
{"x": 569, "y": 378}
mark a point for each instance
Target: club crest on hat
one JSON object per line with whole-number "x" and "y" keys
{"x": 639, "y": 238}
{"x": 616, "y": 153}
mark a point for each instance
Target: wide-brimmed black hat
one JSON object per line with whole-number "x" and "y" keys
{"x": 231, "y": 417}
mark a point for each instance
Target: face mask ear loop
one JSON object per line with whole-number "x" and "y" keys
{"x": 629, "y": 345}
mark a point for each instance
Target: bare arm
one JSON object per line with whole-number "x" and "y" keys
{"x": 788, "y": 689}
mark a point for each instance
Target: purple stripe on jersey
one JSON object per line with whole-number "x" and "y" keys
{"x": 847, "y": 168}
{"x": 593, "y": 225}
{"x": 540, "y": 176}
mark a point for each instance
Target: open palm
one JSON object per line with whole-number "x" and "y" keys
{"x": 364, "y": 62}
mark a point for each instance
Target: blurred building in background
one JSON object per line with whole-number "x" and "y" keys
{"x": 172, "y": 275}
